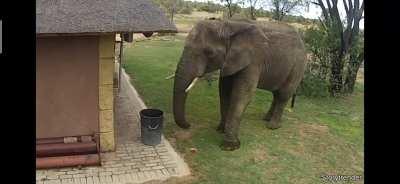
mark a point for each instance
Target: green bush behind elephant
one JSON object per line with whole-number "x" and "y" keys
{"x": 249, "y": 55}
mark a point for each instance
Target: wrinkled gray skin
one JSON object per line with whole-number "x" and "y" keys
{"x": 249, "y": 55}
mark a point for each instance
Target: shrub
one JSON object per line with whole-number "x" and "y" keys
{"x": 312, "y": 85}
{"x": 210, "y": 8}
{"x": 316, "y": 77}
{"x": 186, "y": 10}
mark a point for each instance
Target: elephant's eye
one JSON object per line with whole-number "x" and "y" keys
{"x": 209, "y": 52}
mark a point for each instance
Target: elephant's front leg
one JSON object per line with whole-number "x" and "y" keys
{"x": 243, "y": 89}
{"x": 225, "y": 88}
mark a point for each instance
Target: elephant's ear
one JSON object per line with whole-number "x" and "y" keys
{"x": 230, "y": 29}
{"x": 238, "y": 56}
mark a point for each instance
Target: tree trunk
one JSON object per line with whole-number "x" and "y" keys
{"x": 336, "y": 79}
{"x": 172, "y": 17}
{"x": 352, "y": 70}
{"x": 229, "y": 11}
{"x": 252, "y": 13}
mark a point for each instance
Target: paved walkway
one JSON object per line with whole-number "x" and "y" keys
{"x": 132, "y": 162}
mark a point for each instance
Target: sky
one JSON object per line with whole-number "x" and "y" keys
{"x": 313, "y": 13}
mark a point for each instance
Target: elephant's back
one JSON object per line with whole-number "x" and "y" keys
{"x": 271, "y": 28}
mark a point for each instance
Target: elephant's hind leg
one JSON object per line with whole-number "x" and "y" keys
{"x": 268, "y": 116}
{"x": 280, "y": 99}
{"x": 225, "y": 88}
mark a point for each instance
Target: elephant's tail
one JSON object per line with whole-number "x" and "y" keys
{"x": 293, "y": 99}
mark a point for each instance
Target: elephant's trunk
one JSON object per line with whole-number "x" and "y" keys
{"x": 185, "y": 73}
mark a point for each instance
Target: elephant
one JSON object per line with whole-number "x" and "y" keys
{"x": 249, "y": 55}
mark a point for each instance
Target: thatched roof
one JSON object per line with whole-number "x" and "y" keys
{"x": 100, "y": 16}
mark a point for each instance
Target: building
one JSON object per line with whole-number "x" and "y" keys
{"x": 75, "y": 65}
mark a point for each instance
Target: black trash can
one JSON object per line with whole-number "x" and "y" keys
{"x": 151, "y": 122}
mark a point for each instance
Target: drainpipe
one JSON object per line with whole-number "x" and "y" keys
{"x": 68, "y": 161}
{"x": 61, "y": 149}
{"x": 68, "y": 152}
{"x": 121, "y": 46}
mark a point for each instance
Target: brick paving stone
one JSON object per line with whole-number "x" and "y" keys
{"x": 117, "y": 165}
{"x": 140, "y": 176}
{"x": 130, "y": 163}
{"x": 115, "y": 179}
{"x": 171, "y": 170}
{"x": 132, "y": 176}
{"x": 52, "y": 177}
{"x": 135, "y": 176}
{"x": 102, "y": 179}
{"x": 52, "y": 182}
{"x": 150, "y": 164}
{"x": 40, "y": 176}
{"x": 89, "y": 180}
{"x": 165, "y": 175}
{"x": 79, "y": 175}
{"x": 73, "y": 172}
{"x": 123, "y": 178}
{"x": 66, "y": 176}
{"x": 145, "y": 169}
{"x": 154, "y": 173}
{"x": 123, "y": 155}
{"x": 124, "y": 168}
{"x": 157, "y": 167}
{"x": 119, "y": 172}
{"x": 126, "y": 158}
{"x": 110, "y": 169}
{"x": 76, "y": 180}
{"x": 106, "y": 173}
{"x": 108, "y": 179}
{"x": 96, "y": 180}
{"x": 134, "y": 170}
{"x": 165, "y": 171}
{"x": 147, "y": 175}
{"x": 67, "y": 181}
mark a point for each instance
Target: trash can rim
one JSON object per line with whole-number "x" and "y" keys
{"x": 159, "y": 113}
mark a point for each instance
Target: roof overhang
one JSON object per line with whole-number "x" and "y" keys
{"x": 91, "y": 17}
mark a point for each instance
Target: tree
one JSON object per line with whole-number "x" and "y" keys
{"x": 263, "y": 13}
{"x": 187, "y": 8}
{"x": 283, "y": 7}
{"x": 231, "y": 6}
{"x": 356, "y": 58}
{"x": 253, "y": 4}
{"x": 210, "y": 7}
{"x": 170, "y": 6}
{"x": 345, "y": 35}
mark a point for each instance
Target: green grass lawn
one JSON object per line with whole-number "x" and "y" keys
{"x": 319, "y": 137}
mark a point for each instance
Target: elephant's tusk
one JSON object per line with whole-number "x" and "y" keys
{"x": 170, "y": 77}
{"x": 191, "y": 84}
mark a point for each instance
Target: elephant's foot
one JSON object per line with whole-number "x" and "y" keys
{"x": 268, "y": 117}
{"x": 273, "y": 125}
{"x": 184, "y": 125}
{"x": 230, "y": 146}
{"x": 221, "y": 128}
